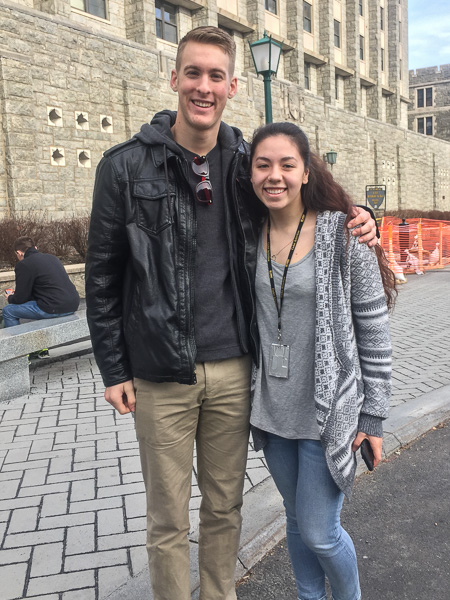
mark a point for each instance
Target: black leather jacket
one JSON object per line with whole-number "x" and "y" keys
{"x": 141, "y": 256}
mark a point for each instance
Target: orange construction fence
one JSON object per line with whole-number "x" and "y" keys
{"x": 417, "y": 245}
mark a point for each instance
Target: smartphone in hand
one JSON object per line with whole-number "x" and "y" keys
{"x": 367, "y": 453}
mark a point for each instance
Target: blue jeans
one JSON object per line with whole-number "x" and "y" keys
{"x": 28, "y": 310}
{"x": 317, "y": 543}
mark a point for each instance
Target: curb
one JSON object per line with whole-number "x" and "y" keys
{"x": 63, "y": 352}
{"x": 409, "y": 421}
{"x": 263, "y": 512}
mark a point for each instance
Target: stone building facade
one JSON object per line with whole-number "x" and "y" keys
{"x": 429, "y": 92}
{"x": 79, "y": 76}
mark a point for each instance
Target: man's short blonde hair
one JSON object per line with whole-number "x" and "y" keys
{"x": 208, "y": 34}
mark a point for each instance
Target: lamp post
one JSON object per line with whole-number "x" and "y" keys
{"x": 266, "y": 57}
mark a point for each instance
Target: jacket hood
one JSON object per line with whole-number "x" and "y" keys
{"x": 158, "y": 132}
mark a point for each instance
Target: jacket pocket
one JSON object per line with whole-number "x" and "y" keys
{"x": 152, "y": 205}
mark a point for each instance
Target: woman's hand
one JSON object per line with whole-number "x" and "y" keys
{"x": 375, "y": 442}
{"x": 367, "y": 228}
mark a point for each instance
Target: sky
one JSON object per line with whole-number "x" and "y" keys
{"x": 429, "y": 33}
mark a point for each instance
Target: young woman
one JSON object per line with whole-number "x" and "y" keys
{"x": 316, "y": 287}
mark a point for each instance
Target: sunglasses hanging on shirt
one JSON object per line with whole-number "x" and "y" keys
{"x": 203, "y": 191}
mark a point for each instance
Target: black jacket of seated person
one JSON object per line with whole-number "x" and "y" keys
{"x": 42, "y": 277}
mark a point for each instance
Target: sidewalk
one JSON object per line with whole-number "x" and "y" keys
{"x": 72, "y": 504}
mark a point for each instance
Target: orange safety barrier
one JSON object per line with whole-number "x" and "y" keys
{"x": 416, "y": 246}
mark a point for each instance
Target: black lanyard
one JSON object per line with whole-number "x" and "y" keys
{"x": 286, "y": 267}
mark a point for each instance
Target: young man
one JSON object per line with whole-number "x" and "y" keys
{"x": 43, "y": 288}
{"x": 170, "y": 305}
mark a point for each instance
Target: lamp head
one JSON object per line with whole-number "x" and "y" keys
{"x": 266, "y": 55}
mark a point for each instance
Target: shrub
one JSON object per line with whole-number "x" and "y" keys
{"x": 32, "y": 224}
{"x": 57, "y": 240}
{"x": 65, "y": 238}
{"x": 77, "y": 233}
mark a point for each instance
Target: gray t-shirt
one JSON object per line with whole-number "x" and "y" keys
{"x": 285, "y": 407}
{"x": 215, "y": 321}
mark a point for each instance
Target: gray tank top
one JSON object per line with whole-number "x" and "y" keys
{"x": 285, "y": 407}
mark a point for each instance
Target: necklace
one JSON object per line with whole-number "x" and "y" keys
{"x": 274, "y": 256}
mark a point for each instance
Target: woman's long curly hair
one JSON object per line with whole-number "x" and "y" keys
{"x": 322, "y": 192}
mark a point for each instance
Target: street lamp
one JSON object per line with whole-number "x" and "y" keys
{"x": 266, "y": 57}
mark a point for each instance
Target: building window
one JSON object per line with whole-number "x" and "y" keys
{"x": 337, "y": 34}
{"x": 420, "y": 125}
{"x": 425, "y": 125}
{"x": 93, "y": 7}
{"x": 361, "y": 7}
{"x": 361, "y": 47}
{"x": 424, "y": 97}
{"x": 336, "y": 87}
{"x": 381, "y": 18}
{"x": 307, "y": 77}
{"x": 420, "y": 99}
{"x": 307, "y": 17}
{"x": 166, "y": 21}
{"x": 382, "y": 59}
{"x": 271, "y": 6}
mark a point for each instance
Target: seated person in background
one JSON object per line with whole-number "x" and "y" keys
{"x": 43, "y": 288}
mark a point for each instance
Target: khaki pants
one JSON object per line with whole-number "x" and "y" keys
{"x": 169, "y": 417}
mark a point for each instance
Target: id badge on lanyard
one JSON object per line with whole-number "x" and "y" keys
{"x": 279, "y": 361}
{"x": 279, "y": 353}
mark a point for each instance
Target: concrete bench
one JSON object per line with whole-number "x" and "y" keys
{"x": 19, "y": 341}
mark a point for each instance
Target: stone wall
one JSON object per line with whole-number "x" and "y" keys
{"x": 415, "y": 169}
{"x": 59, "y": 81}
{"x": 49, "y": 64}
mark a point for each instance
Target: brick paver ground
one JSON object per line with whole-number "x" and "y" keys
{"x": 420, "y": 329}
{"x": 72, "y": 505}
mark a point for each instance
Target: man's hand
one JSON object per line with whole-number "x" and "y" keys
{"x": 375, "y": 442}
{"x": 122, "y": 397}
{"x": 367, "y": 230}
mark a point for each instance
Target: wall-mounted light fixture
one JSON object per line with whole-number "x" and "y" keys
{"x": 330, "y": 157}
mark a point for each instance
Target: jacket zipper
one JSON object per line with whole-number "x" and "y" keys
{"x": 191, "y": 244}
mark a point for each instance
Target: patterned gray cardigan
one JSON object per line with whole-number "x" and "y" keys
{"x": 352, "y": 350}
